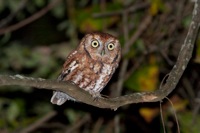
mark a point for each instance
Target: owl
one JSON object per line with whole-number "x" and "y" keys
{"x": 90, "y": 66}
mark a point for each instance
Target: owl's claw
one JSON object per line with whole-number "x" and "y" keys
{"x": 95, "y": 98}
{"x": 95, "y": 95}
{"x": 104, "y": 96}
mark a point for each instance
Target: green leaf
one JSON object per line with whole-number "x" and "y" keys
{"x": 13, "y": 4}
{"x": 13, "y": 112}
{"x": 145, "y": 78}
{"x": 59, "y": 10}
{"x": 46, "y": 107}
{"x": 156, "y": 6}
{"x": 39, "y": 3}
{"x": 71, "y": 115}
{"x": 197, "y": 57}
{"x": 86, "y": 22}
{"x": 185, "y": 119}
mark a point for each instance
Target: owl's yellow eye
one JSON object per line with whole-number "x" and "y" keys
{"x": 111, "y": 46}
{"x": 95, "y": 43}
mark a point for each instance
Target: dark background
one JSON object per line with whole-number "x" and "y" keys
{"x": 38, "y": 49}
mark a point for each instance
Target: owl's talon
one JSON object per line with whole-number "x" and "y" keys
{"x": 96, "y": 98}
{"x": 95, "y": 95}
{"x": 104, "y": 96}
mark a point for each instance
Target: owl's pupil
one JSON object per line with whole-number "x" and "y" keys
{"x": 110, "y": 46}
{"x": 95, "y": 44}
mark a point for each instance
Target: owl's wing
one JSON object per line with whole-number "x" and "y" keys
{"x": 62, "y": 75}
{"x": 60, "y": 97}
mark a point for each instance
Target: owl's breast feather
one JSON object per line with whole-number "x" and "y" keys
{"x": 89, "y": 75}
{"x": 103, "y": 77}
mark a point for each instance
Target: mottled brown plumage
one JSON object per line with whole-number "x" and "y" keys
{"x": 90, "y": 65}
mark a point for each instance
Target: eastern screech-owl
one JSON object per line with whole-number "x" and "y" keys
{"x": 90, "y": 65}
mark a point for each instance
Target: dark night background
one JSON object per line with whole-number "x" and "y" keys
{"x": 39, "y": 48}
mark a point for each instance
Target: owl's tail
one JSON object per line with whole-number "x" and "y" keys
{"x": 59, "y": 98}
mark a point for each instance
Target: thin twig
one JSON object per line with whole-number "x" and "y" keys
{"x": 161, "y": 116}
{"x": 126, "y": 49}
{"x": 78, "y": 124}
{"x": 39, "y": 122}
{"x": 189, "y": 90}
{"x": 97, "y": 125}
{"x": 120, "y": 12}
{"x": 6, "y": 20}
{"x": 196, "y": 108}
{"x": 30, "y": 19}
{"x": 174, "y": 111}
{"x": 117, "y": 125}
{"x": 137, "y": 64}
{"x": 143, "y": 26}
{"x": 122, "y": 70}
{"x": 125, "y": 61}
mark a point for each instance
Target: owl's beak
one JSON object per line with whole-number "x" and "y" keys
{"x": 103, "y": 52}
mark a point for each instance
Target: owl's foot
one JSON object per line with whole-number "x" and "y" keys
{"x": 59, "y": 98}
{"x": 95, "y": 95}
{"x": 104, "y": 96}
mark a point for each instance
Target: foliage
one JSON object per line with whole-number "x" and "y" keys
{"x": 39, "y": 49}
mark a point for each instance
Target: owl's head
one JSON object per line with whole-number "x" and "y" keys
{"x": 101, "y": 47}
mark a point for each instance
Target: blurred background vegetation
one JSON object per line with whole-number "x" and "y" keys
{"x": 36, "y": 36}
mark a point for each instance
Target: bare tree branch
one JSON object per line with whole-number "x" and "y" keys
{"x": 37, "y": 124}
{"x": 30, "y": 19}
{"x": 8, "y": 18}
{"x": 113, "y": 103}
{"x": 120, "y": 12}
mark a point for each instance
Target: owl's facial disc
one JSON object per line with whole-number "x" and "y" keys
{"x": 110, "y": 47}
